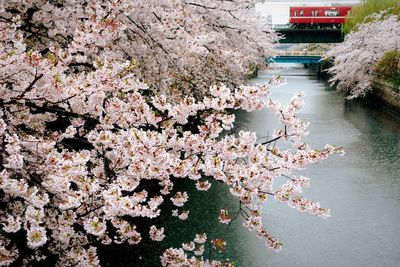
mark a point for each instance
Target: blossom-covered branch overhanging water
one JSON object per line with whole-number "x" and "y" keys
{"x": 90, "y": 144}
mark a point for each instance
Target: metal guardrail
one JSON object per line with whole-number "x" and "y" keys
{"x": 299, "y": 54}
{"x": 281, "y": 26}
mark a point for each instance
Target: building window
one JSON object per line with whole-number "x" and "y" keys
{"x": 331, "y": 13}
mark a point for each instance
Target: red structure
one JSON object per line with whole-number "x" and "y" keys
{"x": 318, "y": 16}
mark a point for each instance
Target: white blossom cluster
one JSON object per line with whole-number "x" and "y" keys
{"x": 355, "y": 59}
{"x": 177, "y": 45}
{"x": 87, "y": 152}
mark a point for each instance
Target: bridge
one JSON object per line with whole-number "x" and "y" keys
{"x": 302, "y": 57}
{"x": 321, "y": 35}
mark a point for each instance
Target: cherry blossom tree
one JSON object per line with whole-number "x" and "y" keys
{"x": 356, "y": 58}
{"x": 177, "y": 46}
{"x": 90, "y": 146}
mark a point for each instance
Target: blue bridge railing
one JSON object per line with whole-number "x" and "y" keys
{"x": 303, "y": 57}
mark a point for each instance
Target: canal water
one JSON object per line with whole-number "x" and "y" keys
{"x": 362, "y": 189}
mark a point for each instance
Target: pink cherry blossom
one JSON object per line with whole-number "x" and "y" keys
{"x": 106, "y": 106}
{"x": 355, "y": 59}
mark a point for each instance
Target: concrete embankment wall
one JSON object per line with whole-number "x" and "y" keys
{"x": 385, "y": 95}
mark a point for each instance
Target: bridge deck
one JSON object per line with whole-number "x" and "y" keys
{"x": 304, "y": 57}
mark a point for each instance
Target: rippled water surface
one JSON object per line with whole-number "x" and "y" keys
{"x": 362, "y": 189}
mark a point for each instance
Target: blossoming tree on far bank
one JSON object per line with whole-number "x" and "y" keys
{"x": 90, "y": 146}
{"x": 356, "y": 59}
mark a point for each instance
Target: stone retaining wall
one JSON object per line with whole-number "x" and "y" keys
{"x": 387, "y": 95}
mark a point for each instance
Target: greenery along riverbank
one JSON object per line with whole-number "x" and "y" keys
{"x": 361, "y": 13}
{"x": 388, "y": 68}
{"x": 370, "y": 49}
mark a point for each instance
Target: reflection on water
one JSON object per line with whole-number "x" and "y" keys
{"x": 362, "y": 189}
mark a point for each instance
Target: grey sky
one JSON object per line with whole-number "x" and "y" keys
{"x": 279, "y": 9}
